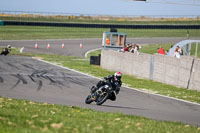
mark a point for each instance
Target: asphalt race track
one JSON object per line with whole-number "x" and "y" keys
{"x": 28, "y": 78}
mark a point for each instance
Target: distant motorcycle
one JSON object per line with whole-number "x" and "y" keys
{"x": 101, "y": 94}
{"x": 6, "y": 51}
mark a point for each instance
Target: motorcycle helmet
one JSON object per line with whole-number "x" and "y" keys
{"x": 118, "y": 75}
{"x": 8, "y": 46}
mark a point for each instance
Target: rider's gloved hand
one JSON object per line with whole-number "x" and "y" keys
{"x": 93, "y": 89}
{"x": 105, "y": 79}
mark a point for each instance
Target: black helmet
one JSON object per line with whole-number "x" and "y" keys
{"x": 118, "y": 75}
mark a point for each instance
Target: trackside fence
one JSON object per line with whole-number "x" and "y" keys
{"x": 183, "y": 72}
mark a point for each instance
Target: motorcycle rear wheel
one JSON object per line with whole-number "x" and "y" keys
{"x": 101, "y": 99}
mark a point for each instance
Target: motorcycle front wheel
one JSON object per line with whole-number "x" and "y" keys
{"x": 88, "y": 99}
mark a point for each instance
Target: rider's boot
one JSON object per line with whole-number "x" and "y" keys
{"x": 94, "y": 96}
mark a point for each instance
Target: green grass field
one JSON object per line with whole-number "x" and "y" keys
{"x": 37, "y": 32}
{"x": 22, "y": 116}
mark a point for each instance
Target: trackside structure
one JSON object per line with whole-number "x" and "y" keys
{"x": 186, "y": 47}
{"x": 183, "y": 72}
{"x": 113, "y": 40}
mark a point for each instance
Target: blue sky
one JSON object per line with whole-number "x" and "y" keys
{"x": 104, "y": 7}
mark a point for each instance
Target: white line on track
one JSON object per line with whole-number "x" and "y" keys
{"x": 86, "y": 54}
{"x": 122, "y": 86}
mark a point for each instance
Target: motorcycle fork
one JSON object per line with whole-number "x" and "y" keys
{"x": 100, "y": 91}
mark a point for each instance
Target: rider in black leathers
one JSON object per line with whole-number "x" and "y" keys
{"x": 6, "y": 50}
{"x": 114, "y": 81}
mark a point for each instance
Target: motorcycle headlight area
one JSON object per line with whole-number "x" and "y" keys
{"x": 107, "y": 87}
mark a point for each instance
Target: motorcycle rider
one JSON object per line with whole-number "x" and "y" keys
{"x": 114, "y": 81}
{"x": 6, "y": 50}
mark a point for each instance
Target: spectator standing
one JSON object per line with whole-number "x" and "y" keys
{"x": 176, "y": 53}
{"x": 161, "y": 51}
{"x": 129, "y": 47}
{"x": 180, "y": 50}
{"x": 107, "y": 41}
{"x": 138, "y": 46}
{"x": 125, "y": 49}
{"x": 135, "y": 48}
{"x": 132, "y": 50}
{"x": 166, "y": 52}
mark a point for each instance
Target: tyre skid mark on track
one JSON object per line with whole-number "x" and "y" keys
{"x": 20, "y": 78}
{"x": 76, "y": 80}
{"x": 1, "y": 80}
{"x": 28, "y": 66}
{"x": 38, "y": 77}
{"x": 43, "y": 74}
{"x": 38, "y": 82}
{"x": 11, "y": 65}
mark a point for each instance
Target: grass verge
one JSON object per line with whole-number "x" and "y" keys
{"x": 38, "y": 32}
{"x": 21, "y": 116}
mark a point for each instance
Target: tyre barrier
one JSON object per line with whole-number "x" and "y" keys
{"x": 95, "y": 60}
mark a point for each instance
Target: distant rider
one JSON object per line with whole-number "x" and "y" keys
{"x": 6, "y": 50}
{"x": 114, "y": 81}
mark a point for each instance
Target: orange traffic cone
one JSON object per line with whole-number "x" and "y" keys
{"x": 63, "y": 45}
{"x": 36, "y": 45}
{"x": 81, "y": 45}
{"x": 48, "y": 46}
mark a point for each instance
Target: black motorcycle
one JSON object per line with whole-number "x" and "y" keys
{"x": 6, "y": 50}
{"x": 101, "y": 94}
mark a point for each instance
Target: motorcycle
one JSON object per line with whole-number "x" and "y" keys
{"x": 5, "y": 51}
{"x": 101, "y": 94}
